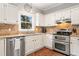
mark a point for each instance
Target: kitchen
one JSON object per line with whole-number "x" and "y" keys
{"x": 33, "y": 29}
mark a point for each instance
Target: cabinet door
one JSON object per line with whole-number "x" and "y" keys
{"x": 11, "y": 14}
{"x": 37, "y": 19}
{"x": 66, "y": 13}
{"x": 2, "y": 49}
{"x": 50, "y": 19}
{"x": 38, "y": 42}
{"x": 75, "y": 15}
{"x": 29, "y": 45}
{"x": 2, "y": 13}
{"x": 74, "y": 46}
{"x": 40, "y": 21}
{"x": 58, "y": 15}
{"x": 49, "y": 41}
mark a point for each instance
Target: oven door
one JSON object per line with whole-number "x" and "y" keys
{"x": 61, "y": 47}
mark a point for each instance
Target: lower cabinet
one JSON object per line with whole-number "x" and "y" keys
{"x": 2, "y": 47}
{"x": 33, "y": 43}
{"x": 48, "y": 41}
{"x": 74, "y": 46}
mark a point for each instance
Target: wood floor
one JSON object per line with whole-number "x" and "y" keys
{"x": 46, "y": 52}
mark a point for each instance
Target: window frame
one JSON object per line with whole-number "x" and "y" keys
{"x": 26, "y": 14}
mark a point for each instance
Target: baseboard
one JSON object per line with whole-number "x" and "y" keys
{"x": 48, "y": 47}
{"x": 26, "y": 54}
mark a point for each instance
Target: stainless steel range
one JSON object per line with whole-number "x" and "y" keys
{"x": 62, "y": 42}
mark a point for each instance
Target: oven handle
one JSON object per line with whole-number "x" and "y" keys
{"x": 62, "y": 42}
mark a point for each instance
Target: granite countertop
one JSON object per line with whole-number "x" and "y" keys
{"x": 21, "y": 34}
{"x": 75, "y": 35}
{"x": 16, "y": 35}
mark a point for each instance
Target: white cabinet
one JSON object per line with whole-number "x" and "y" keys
{"x": 38, "y": 41}
{"x": 48, "y": 41}
{"x": 2, "y": 47}
{"x": 50, "y": 19}
{"x": 29, "y": 45}
{"x": 8, "y": 13}
{"x": 2, "y": 13}
{"x": 40, "y": 20}
{"x": 66, "y": 13}
{"x": 58, "y": 15}
{"x": 75, "y": 15}
{"x": 74, "y": 46}
{"x": 33, "y": 43}
{"x": 11, "y": 14}
{"x": 63, "y": 14}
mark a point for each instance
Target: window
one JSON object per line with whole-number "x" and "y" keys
{"x": 26, "y": 22}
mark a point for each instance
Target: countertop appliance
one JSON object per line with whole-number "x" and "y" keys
{"x": 43, "y": 29}
{"x": 15, "y": 46}
{"x": 62, "y": 41}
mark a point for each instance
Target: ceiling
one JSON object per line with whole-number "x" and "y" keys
{"x": 51, "y": 7}
{"x": 46, "y": 8}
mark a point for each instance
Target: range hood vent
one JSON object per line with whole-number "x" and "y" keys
{"x": 65, "y": 20}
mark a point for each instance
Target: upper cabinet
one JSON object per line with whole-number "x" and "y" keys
{"x": 11, "y": 14}
{"x": 58, "y": 15}
{"x": 66, "y": 13}
{"x": 40, "y": 19}
{"x": 50, "y": 19}
{"x": 8, "y": 13}
{"x": 75, "y": 15}
{"x": 62, "y": 14}
{"x": 2, "y": 15}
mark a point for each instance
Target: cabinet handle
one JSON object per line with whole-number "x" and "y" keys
{"x": 70, "y": 42}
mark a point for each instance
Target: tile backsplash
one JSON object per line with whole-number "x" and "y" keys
{"x": 13, "y": 29}
{"x": 51, "y": 29}
{"x": 8, "y": 29}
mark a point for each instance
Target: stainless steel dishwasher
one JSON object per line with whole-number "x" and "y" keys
{"x": 10, "y": 43}
{"x": 15, "y": 46}
{"x": 22, "y": 46}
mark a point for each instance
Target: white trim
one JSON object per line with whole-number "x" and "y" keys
{"x": 19, "y": 23}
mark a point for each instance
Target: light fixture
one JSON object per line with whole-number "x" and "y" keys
{"x": 29, "y": 8}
